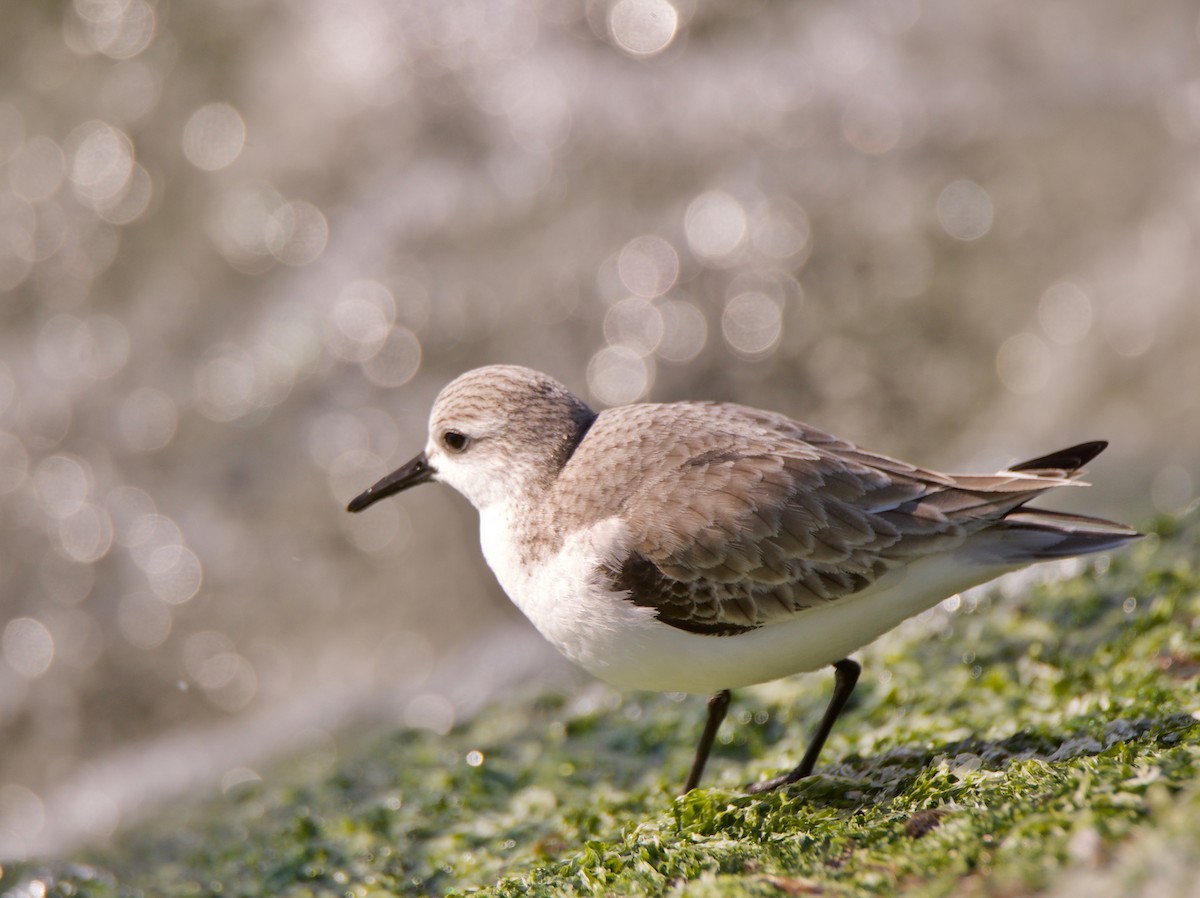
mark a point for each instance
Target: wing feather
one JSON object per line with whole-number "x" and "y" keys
{"x": 736, "y": 526}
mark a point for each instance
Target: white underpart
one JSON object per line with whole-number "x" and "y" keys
{"x": 626, "y": 645}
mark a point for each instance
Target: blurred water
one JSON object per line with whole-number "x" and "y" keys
{"x": 242, "y": 245}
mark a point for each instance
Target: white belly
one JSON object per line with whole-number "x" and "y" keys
{"x": 626, "y": 645}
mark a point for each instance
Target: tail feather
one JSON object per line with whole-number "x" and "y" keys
{"x": 1064, "y": 461}
{"x": 1028, "y": 535}
{"x": 997, "y": 496}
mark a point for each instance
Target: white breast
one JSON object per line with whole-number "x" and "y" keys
{"x": 565, "y": 596}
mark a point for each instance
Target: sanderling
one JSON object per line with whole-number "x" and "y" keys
{"x": 703, "y": 546}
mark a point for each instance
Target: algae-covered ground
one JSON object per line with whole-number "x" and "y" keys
{"x": 1042, "y": 739}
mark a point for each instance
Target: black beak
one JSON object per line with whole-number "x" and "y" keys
{"x": 410, "y": 474}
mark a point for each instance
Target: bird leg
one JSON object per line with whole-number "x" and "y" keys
{"x": 845, "y": 677}
{"x": 717, "y": 706}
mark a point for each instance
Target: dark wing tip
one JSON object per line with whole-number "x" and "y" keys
{"x": 1071, "y": 459}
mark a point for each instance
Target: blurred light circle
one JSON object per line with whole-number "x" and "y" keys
{"x": 120, "y": 29}
{"x": 752, "y": 323}
{"x": 50, "y": 227}
{"x": 147, "y": 419}
{"x": 356, "y": 46}
{"x": 86, "y": 535}
{"x": 297, "y": 233}
{"x": 292, "y": 330}
{"x": 782, "y": 230}
{"x": 430, "y": 711}
{"x": 8, "y": 387}
{"x": 642, "y": 27}
{"x": 397, "y": 361}
{"x": 383, "y": 430}
{"x": 37, "y": 170}
{"x": 17, "y": 224}
{"x": 175, "y": 574}
{"x": 142, "y": 533}
{"x": 13, "y": 270}
{"x": 715, "y": 224}
{"x": 275, "y": 372}
{"x": 128, "y": 506}
{"x": 145, "y": 535}
{"x": 96, "y": 348}
{"x": 360, "y": 320}
{"x": 382, "y": 532}
{"x": 229, "y": 681}
{"x": 50, "y": 232}
{"x": 14, "y": 462}
{"x": 366, "y": 427}
{"x": 535, "y": 107}
{"x": 331, "y": 434}
{"x": 201, "y": 646}
{"x": 94, "y": 812}
{"x": 12, "y": 130}
{"x": 617, "y": 375}
{"x": 350, "y": 470}
{"x": 873, "y": 127}
{"x": 143, "y": 620}
{"x": 1065, "y": 313}
{"x": 635, "y": 324}
{"x": 149, "y": 532}
{"x": 22, "y": 807}
{"x": 239, "y": 227}
{"x": 964, "y": 210}
{"x": 685, "y": 331}
{"x": 61, "y": 344}
{"x": 1024, "y": 363}
{"x": 214, "y": 136}
{"x": 1129, "y": 327}
{"x": 895, "y": 16}
{"x": 28, "y": 647}
{"x": 412, "y": 302}
{"x": 106, "y": 350}
{"x": 78, "y": 639}
{"x": 132, "y": 202}
{"x": 62, "y": 484}
{"x": 225, "y": 384}
{"x": 236, "y": 777}
{"x": 92, "y": 252}
{"x": 43, "y": 417}
{"x": 101, "y": 164}
{"x": 648, "y": 266}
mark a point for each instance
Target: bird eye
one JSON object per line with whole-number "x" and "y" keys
{"x": 455, "y": 441}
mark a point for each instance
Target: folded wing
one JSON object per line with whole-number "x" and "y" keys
{"x": 735, "y": 528}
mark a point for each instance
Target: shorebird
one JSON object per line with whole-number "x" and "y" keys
{"x": 701, "y": 547}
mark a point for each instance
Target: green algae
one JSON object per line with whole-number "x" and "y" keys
{"x": 1042, "y": 736}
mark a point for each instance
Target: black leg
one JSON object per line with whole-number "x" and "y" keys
{"x": 717, "y": 706}
{"x": 845, "y": 676}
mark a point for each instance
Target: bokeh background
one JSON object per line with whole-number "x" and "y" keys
{"x": 244, "y": 242}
